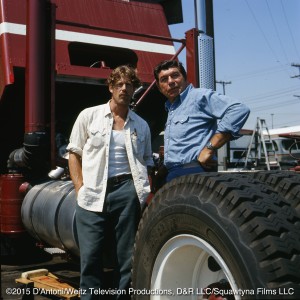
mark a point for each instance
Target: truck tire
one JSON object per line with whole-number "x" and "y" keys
{"x": 286, "y": 183}
{"x": 207, "y": 228}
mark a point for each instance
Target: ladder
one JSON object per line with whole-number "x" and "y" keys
{"x": 264, "y": 147}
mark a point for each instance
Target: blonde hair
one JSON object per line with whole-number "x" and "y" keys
{"x": 126, "y": 72}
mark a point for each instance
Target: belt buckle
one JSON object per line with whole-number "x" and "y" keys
{"x": 117, "y": 180}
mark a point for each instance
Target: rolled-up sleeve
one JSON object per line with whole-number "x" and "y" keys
{"x": 234, "y": 119}
{"x": 78, "y": 135}
{"x": 231, "y": 114}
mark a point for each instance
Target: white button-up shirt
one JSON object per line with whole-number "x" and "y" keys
{"x": 90, "y": 138}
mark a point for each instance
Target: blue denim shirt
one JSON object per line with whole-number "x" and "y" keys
{"x": 193, "y": 118}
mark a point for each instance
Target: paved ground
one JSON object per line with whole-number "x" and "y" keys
{"x": 12, "y": 267}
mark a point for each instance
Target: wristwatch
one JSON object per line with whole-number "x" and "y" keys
{"x": 211, "y": 147}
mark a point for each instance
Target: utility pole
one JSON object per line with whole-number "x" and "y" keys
{"x": 223, "y": 83}
{"x": 297, "y": 66}
{"x": 225, "y": 150}
{"x": 272, "y": 115}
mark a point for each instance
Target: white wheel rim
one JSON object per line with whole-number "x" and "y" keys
{"x": 182, "y": 263}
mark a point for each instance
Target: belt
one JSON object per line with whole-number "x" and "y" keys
{"x": 118, "y": 179}
{"x": 192, "y": 164}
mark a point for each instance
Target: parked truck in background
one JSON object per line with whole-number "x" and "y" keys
{"x": 235, "y": 231}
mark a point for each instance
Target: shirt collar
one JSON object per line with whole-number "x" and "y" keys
{"x": 130, "y": 114}
{"x": 180, "y": 98}
{"x": 107, "y": 112}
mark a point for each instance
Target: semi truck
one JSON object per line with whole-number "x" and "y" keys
{"x": 235, "y": 234}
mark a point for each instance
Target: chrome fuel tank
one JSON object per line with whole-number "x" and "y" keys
{"x": 48, "y": 214}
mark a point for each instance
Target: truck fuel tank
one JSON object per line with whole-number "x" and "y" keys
{"x": 48, "y": 214}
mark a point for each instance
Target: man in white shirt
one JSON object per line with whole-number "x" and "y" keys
{"x": 109, "y": 152}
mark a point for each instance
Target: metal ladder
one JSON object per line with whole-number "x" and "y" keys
{"x": 264, "y": 147}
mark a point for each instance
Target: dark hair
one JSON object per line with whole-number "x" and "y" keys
{"x": 124, "y": 71}
{"x": 167, "y": 64}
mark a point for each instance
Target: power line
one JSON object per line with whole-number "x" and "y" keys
{"x": 273, "y": 93}
{"x": 260, "y": 72}
{"x": 276, "y": 30}
{"x": 278, "y": 105}
{"x": 271, "y": 97}
{"x": 274, "y": 106}
{"x": 290, "y": 31}
{"x": 262, "y": 32}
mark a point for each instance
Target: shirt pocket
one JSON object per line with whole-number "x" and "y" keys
{"x": 180, "y": 125}
{"x": 138, "y": 144}
{"x": 97, "y": 137}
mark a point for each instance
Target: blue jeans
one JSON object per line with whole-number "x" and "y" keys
{"x": 104, "y": 233}
{"x": 180, "y": 171}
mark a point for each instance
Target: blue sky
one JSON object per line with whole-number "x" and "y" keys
{"x": 256, "y": 43}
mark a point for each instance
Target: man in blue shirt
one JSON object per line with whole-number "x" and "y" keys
{"x": 200, "y": 121}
